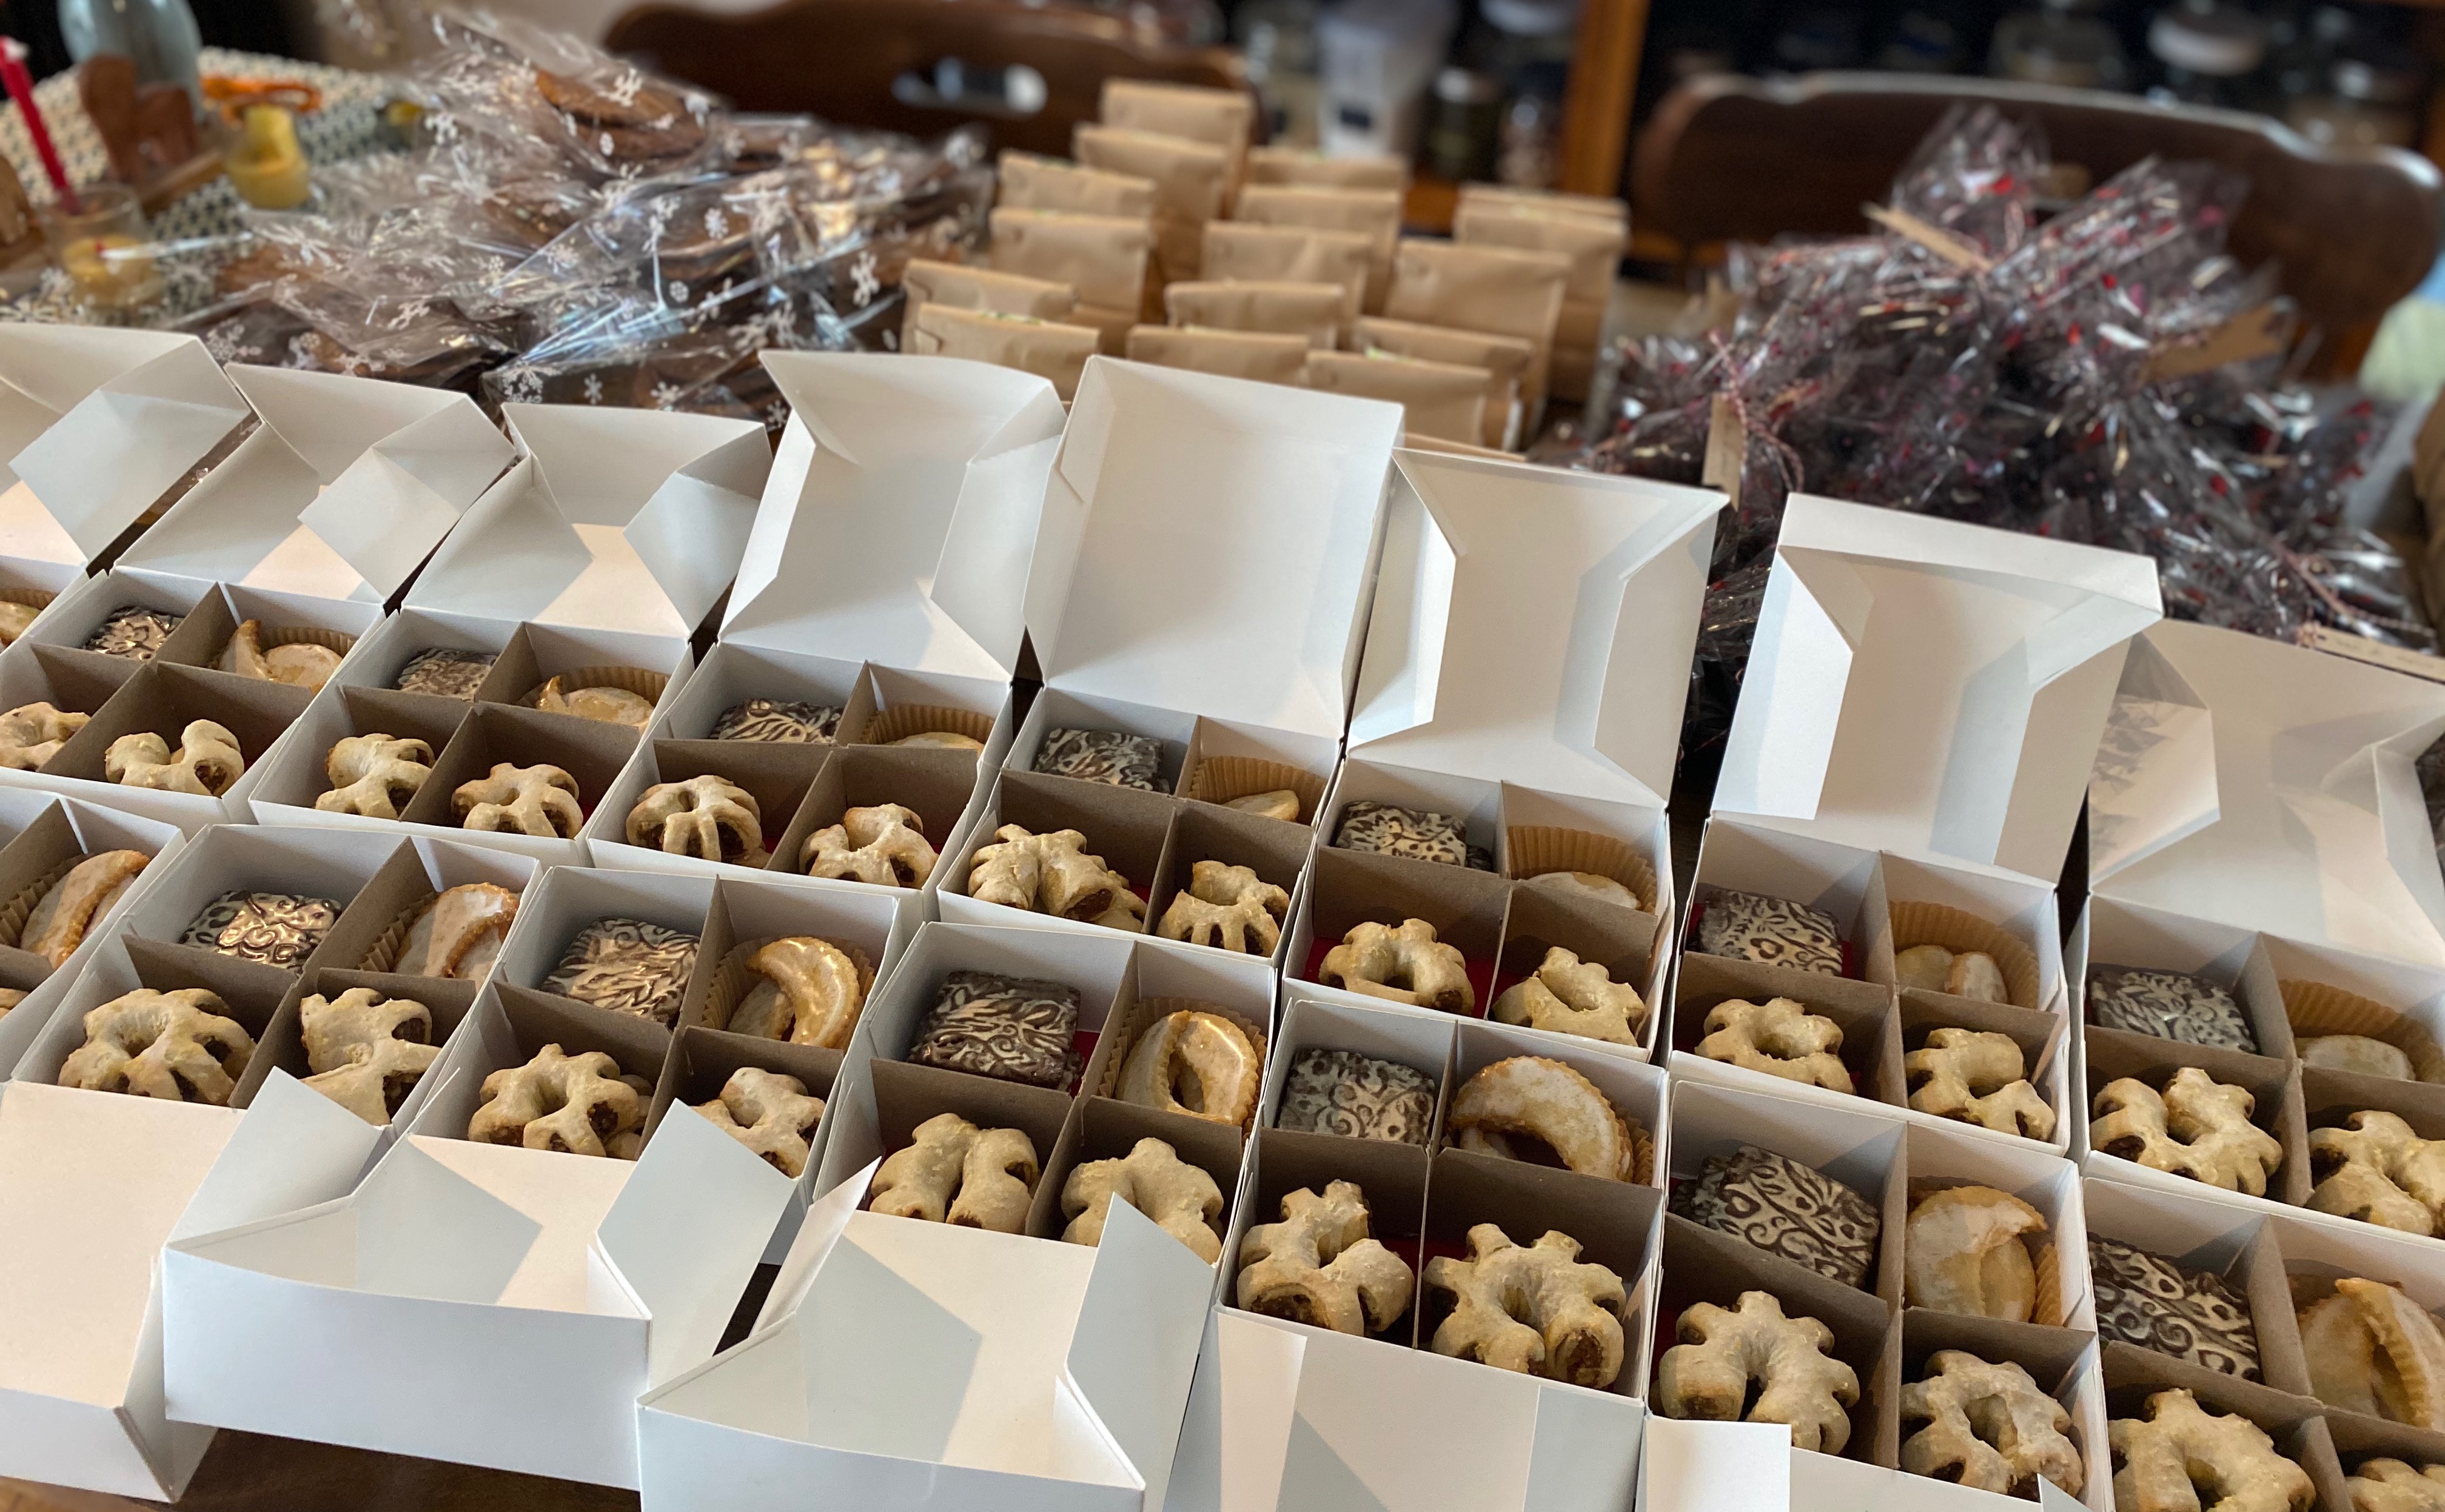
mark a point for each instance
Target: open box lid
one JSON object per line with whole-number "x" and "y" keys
{"x": 1534, "y": 626}
{"x": 899, "y": 1362}
{"x": 2270, "y": 787}
{"x": 97, "y": 425}
{"x": 1925, "y": 686}
{"x": 1291, "y": 1416}
{"x": 904, "y": 489}
{"x": 1208, "y": 544}
{"x": 615, "y": 519}
{"x": 348, "y": 478}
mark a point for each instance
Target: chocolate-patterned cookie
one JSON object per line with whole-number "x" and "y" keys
{"x": 445, "y": 672}
{"x": 2148, "y": 1300}
{"x": 1771, "y": 931}
{"x": 784, "y": 724}
{"x": 1102, "y": 755}
{"x": 627, "y": 967}
{"x": 2168, "y": 1005}
{"x": 1784, "y": 1208}
{"x": 277, "y": 928}
{"x": 1341, "y": 1092}
{"x": 1010, "y": 1028}
{"x": 133, "y": 631}
{"x": 1420, "y": 834}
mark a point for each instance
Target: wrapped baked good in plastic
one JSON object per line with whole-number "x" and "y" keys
{"x": 2109, "y": 375}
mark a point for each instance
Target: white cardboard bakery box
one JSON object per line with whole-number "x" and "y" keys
{"x": 1858, "y": 886}
{"x": 1534, "y": 627}
{"x": 1204, "y": 564}
{"x": 2270, "y": 787}
{"x": 96, "y": 829}
{"x": 91, "y": 1187}
{"x": 901, "y": 1363}
{"x": 342, "y": 493}
{"x": 95, "y": 424}
{"x": 289, "y": 783}
{"x": 458, "y": 1266}
{"x": 1927, "y": 688}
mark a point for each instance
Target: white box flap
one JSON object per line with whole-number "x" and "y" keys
{"x": 905, "y": 490}
{"x": 1921, "y": 686}
{"x": 1208, "y": 544}
{"x": 1136, "y": 1351}
{"x": 398, "y": 465}
{"x": 1695, "y": 1467}
{"x": 1534, "y": 626}
{"x": 2270, "y": 787}
{"x": 686, "y": 1231}
{"x": 295, "y": 1147}
{"x": 616, "y": 520}
{"x": 98, "y": 424}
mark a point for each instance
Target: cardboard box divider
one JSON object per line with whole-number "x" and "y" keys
{"x": 164, "y": 698}
{"x": 52, "y": 832}
{"x": 1391, "y": 1179}
{"x": 299, "y": 773}
{"x": 2295, "y": 1424}
{"x": 2042, "y": 1036}
{"x": 1635, "y": 1089}
{"x": 870, "y": 923}
{"x": 2061, "y": 1363}
{"x": 1176, "y": 732}
{"x": 72, "y": 681}
{"x": 2111, "y": 1054}
{"x": 701, "y": 1062}
{"x": 375, "y": 925}
{"x": 568, "y": 899}
{"x": 1616, "y": 1224}
{"x": 1125, "y": 1027}
{"x": 776, "y": 776}
{"x": 259, "y": 998}
{"x": 2328, "y": 1098}
{"x": 1100, "y": 973}
{"x": 1701, "y": 1266}
{"x": 1131, "y": 830}
{"x": 1623, "y": 940}
{"x": 936, "y": 785}
{"x": 2315, "y": 1252}
{"x": 1421, "y": 1042}
{"x": 534, "y": 654}
{"x": 80, "y": 610}
{"x": 450, "y": 1001}
{"x": 1210, "y": 760}
{"x": 2316, "y": 1008}
{"x": 1871, "y": 1028}
{"x": 331, "y": 863}
{"x": 905, "y": 1094}
{"x": 1940, "y": 1158}
{"x": 516, "y": 1032}
{"x": 1475, "y": 804}
{"x": 2022, "y": 945}
{"x": 1350, "y": 888}
{"x": 33, "y": 861}
{"x": 2357, "y": 1440}
{"x": 1861, "y": 1148}
{"x": 1103, "y": 1129}
{"x": 1275, "y": 850}
{"x": 590, "y": 751}
{"x": 732, "y": 673}
{"x": 1842, "y": 880}
{"x": 2199, "y": 1233}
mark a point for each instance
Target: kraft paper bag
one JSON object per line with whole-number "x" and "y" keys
{"x": 1103, "y": 258}
{"x": 1312, "y": 310}
{"x": 1304, "y": 165}
{"x": 960, "y": 287}
{"x": 1549, "y": 201}
{"x": 1239, "y": 250}
{"x": 1191, "y": 183}
{"x": 1055, "y": 352}
{"x": 1504, "y": 358}
{"x": 1031, "y": 182}
{"x": 1442, "y": 399}
{"x": 1375, "y": 214}
{"x": 1268, "y": 358}
{"x": 1223, "y": 118}
{"x": 1489, "y": 289}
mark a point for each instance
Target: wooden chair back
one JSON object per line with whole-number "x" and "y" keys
{"x": 1732, "y": 157}
{"x": 920, "y": 67}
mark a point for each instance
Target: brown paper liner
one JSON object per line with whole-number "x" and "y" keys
{"x": 1145, "y": 1013}
{"x": 636, "y": 680}
{"x": 2044, "y": 1259}
{"x": 1221, "y": 779}
{"x": 20, "y": 909}
{"x": 383, "y": 953}
{"x": 2316, "y": 1008}
{"x": 1538, "y": 849}
{"x": 904, "y": 720}
{"x": 1936, "y": 924}
{"x": 732, "y": 979}
{"x": 1642, "y": 1153}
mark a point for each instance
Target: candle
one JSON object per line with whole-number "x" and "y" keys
{"x": 21, "y": 89}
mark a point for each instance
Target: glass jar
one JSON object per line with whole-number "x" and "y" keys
{"x": 1279, "y": 39}
{"x": 1464, "y": 125}
{"x": 97, "y": 246}
{"x": 2366, "y": 103}
{"x": 2208, "y": 52}
{"x": 2064, "y": 42}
